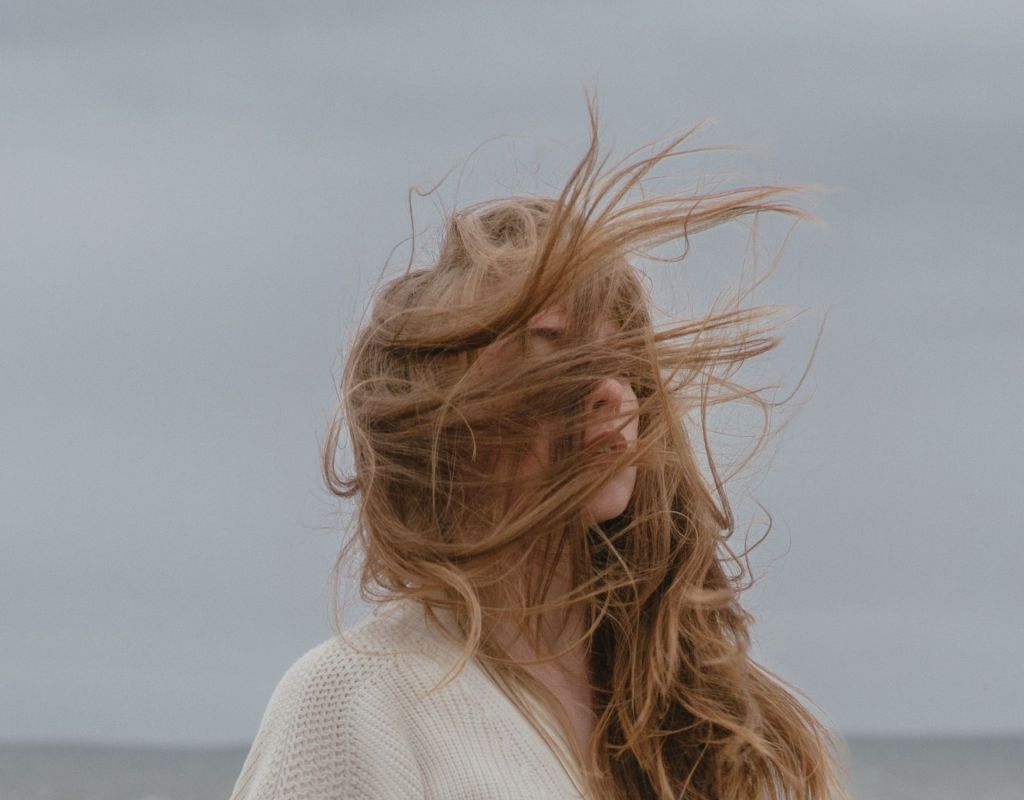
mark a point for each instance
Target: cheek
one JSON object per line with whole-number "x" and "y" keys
{"x": 491, "y": 359}
{"x": 533, "y": 461}
{"x": 539, "y": 456}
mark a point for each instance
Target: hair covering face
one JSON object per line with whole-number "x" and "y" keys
{"x": 482, "y": 487}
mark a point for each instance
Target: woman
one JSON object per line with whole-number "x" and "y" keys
{"x": 565, "y": 618}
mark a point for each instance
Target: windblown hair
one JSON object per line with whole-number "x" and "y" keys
{"x": 683, "y": 710}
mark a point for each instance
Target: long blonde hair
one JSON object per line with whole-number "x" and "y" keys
{"x": 682, "y": 709}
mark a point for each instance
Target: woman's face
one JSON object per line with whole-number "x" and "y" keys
{"x": 608, "y": 405}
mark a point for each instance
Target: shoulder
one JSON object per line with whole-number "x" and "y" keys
{"x": 392, "y": 650}
{"x": 337, "y": 718}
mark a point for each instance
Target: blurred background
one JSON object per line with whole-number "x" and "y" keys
{"x": 197, "y": 199}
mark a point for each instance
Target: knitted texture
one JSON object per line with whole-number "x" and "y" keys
{"x": 350, "y": 720}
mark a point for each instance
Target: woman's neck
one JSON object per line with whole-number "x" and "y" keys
{"x": 559, "y": 658}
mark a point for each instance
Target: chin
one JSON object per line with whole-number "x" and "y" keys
{"x": 612, "y": 499}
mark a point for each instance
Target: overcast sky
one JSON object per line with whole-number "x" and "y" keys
{"x": 196, "y": 198}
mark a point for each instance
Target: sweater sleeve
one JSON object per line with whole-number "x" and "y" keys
{"x": 331, "y": 731}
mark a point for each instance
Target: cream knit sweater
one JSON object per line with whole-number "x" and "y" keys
{"x": 347, "y": 724}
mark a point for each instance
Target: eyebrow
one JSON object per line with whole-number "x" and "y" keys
{"x": 547, "y": 327}
{"x": 547, "y": 334}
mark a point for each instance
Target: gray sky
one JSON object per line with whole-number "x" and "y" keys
{"x": 196, "y": 199}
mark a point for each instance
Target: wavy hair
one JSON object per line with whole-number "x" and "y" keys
{"x": 681, "y": 708}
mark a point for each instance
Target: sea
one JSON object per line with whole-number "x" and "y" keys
{"x": 880, "y": 768}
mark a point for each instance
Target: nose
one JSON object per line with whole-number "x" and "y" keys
{"x": 607, "y": 398}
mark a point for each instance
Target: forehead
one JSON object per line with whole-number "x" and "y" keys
{"x": 557, "y": 316}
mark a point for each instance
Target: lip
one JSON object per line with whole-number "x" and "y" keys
{"x": 607, "y": 445}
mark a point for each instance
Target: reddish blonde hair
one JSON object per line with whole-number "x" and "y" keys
{"x": 683, "y": 710}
